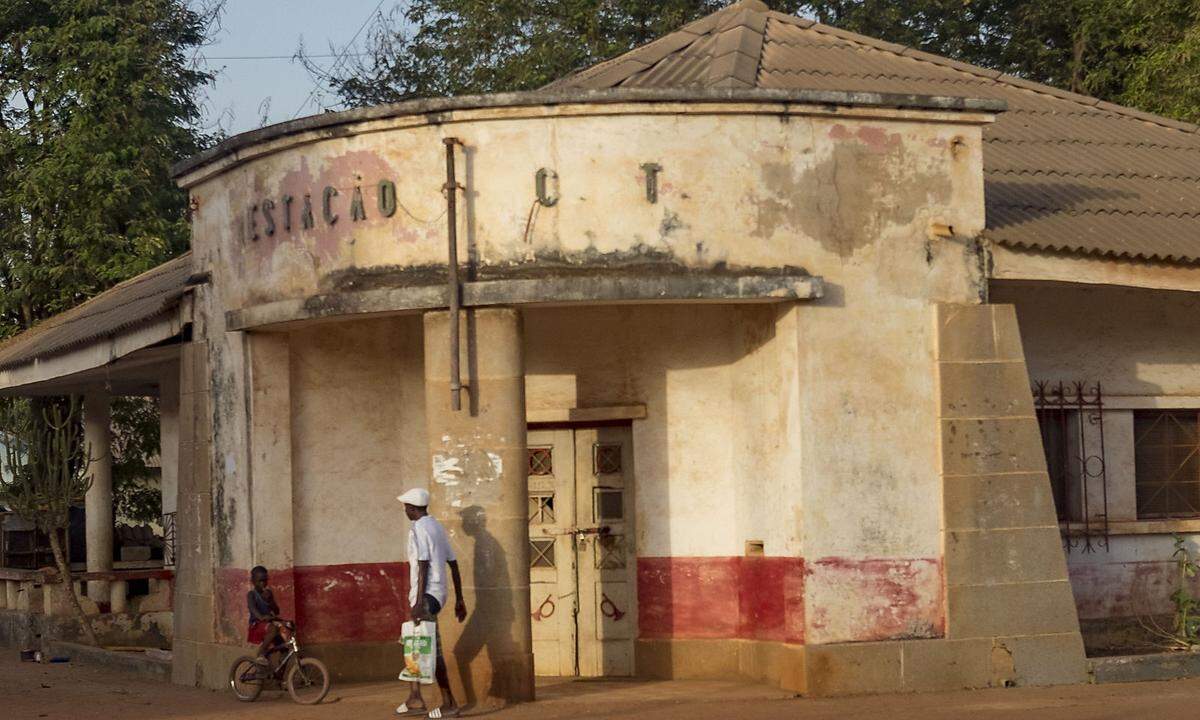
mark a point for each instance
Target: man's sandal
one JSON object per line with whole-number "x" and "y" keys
{"x": 404, "y": 709}
{"x": 437, "y": 713}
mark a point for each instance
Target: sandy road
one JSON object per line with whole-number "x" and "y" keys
{"x": 81, "y": 692}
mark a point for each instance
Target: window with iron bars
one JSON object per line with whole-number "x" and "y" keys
{"x": 1071, "y": 420}
{"x": 1166, "y": 461}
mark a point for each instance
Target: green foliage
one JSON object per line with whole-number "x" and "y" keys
{"x": 137, "y": 496}
{"x": 477, "y": 46}
{"x": 45, "y": 460}
{"x": 97, "y": 100}
{"x": 1187, "y": 607}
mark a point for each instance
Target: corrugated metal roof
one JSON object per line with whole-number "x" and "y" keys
{"x": 134, "y": 302}
{"x": 1062, "y": 171}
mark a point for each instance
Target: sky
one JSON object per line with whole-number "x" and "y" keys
{"x": 278, "y": 88}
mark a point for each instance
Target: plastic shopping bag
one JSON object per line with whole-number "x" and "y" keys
{"x": 420, "y": 651}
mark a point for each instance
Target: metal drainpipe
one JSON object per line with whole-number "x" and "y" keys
{"x": 453, "y": 288}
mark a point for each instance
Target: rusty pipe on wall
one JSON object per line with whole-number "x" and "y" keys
{"x": 453, "y": 287}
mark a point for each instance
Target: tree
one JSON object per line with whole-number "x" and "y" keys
{"x": 45, "y": 472}
{"x": 137, "y": 498}
{"x": 97, "y": 100}
{"x": 461, "y": 47}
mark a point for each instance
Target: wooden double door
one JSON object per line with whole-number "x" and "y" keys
{"x": 582, "y": 551}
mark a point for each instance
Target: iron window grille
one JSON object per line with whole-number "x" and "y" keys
{"x": 1071, "y": 419}
{"x": 1166, "y": 447}
{"x": 541, "y": 461}
{"x": 168, "y": 525}
{"x": 606, "y": 459}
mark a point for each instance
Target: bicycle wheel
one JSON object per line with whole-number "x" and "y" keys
{"x": 244, "y": 679}
{"x": 307, "y": 681}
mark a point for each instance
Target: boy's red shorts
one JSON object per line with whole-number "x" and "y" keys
{"x": 257, "y": 631}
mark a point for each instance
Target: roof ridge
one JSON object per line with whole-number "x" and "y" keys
{"x": 1011, "y": 80}
{"x": 737, "y": 52}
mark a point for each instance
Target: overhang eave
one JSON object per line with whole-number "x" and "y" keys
{"x": 126, "y": 363}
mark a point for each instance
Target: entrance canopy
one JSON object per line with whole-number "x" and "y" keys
{"x": 120, "y": 340}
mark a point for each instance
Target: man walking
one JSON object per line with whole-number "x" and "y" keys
{"x": 429, "y": 555}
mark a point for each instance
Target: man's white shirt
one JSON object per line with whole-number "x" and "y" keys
{"x": 427, "y": 541}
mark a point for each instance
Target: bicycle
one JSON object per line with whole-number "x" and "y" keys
{"x": 306, "y": 679}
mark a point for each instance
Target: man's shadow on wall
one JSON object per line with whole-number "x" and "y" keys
{"x": 490, "y": 625}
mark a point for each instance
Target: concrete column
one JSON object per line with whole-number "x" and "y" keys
{"x": 4, "y": 604}
{"x": 118, "y": 594}
{"x": 271, "y": 463}
{"x": 168, "y": 430}
{"x": 12, "y": 590}
{"x": 99, "y": 501}
{"x": 25, "y": 599}
{"x": 480, "y": 493}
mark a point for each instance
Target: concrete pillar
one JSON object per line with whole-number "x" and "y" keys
{"x": 55, "y": 602}
{"x": 12, "y": 589}
{"x": 4, "y": 604}
{"x": 118, "y": 594}
{"x": 480, "y": 493}
{"x": 98, "y": 503}
{"x": 168, "y": 431}
{"x": 25, "y": 594}
{"x": 271, "y": 463}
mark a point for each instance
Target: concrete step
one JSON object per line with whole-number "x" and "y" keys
{"x": 1153, "y": 666}
{"x": 153, "y": 665}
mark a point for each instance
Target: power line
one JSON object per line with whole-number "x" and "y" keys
{"x": 273, "y": 57}
{"x": 340, "y": 60}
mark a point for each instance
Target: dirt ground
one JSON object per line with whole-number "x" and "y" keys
{"x": 82, "y": 692}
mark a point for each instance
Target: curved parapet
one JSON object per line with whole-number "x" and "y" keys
{"x": 601, "y": 197}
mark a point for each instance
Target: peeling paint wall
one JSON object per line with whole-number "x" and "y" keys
{"x": 810, "y": 427}
{"x": 358, "y": 441}
{"x": 358, "y": 438}
{"x": 786, "y": 189}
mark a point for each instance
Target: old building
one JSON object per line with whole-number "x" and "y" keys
{"x": 740, "y": 383}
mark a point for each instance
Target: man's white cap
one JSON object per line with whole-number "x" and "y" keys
{"x": 416, "y": 496}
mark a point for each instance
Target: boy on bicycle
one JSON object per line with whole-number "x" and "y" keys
{"x": 264, "y": 615}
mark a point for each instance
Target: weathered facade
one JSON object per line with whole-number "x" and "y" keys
{"x": 737, "y": 385}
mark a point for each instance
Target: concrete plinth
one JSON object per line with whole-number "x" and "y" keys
{"x": 480, "y": 494}
{"x": 98, "y": 504}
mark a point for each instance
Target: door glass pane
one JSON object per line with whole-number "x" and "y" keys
{"x": 541, "y": 508}
{"x": 610, "y": 552}
{"x": 606, "y": 459}
{"x": 541, "y": 553}
{"x": 541, "y": 461}
{"x": 610, "y": 504}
